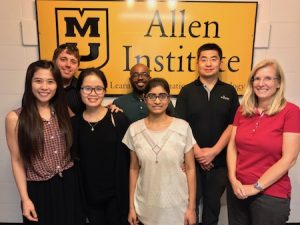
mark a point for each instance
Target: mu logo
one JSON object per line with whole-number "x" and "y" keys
{"x": 88, "y": 28}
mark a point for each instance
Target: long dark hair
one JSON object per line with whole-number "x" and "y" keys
{"x": 30, "y": 124}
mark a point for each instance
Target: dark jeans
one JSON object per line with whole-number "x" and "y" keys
{"x": 257, "y": 210}
{"x": 210, "y": 187}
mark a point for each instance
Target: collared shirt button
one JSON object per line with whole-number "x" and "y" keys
{"x": 141, "y": 107}
{"x": 52, "y": 137}
{"x": 55, "y": 151}
{"x": 57, "y": 167}
{"x": 48, "y": 122}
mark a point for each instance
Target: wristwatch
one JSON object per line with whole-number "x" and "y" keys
{"x": 258, "y": 187}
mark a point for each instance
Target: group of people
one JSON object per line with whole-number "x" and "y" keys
{"x": 152, "y": 164}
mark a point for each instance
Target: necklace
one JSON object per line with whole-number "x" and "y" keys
{"x": 90, "y": 117}
{"x": 92, "y": 126}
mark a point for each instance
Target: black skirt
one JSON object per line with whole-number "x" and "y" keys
{"x": 59, "y": 200}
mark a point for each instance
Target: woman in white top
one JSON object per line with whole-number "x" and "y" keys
{"x": 160, "y": 191}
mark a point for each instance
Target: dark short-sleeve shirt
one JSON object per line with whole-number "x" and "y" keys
{"x": 135, "y": 107}
{"x": 208, "y": 114}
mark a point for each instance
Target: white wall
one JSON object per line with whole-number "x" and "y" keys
{"x": 278, "y": 32}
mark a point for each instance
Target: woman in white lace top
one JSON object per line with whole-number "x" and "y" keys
{"x": 160, "y": 191}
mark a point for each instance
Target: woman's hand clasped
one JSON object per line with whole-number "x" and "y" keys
{"x": 243, "y": 191}
{"x": 238, "y": 189}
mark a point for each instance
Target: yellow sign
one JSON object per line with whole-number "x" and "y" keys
{"x": 115, "y": 35}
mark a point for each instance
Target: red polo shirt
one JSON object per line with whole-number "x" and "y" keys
{"x": 259, "y": 146}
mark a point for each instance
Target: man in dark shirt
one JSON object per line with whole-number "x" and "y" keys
{"x": 67, "y": 59}
{"x": 133, "y": 104}
{"x": 209, "y": 106}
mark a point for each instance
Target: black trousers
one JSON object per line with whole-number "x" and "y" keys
{"x": 257, "y": 210}
{"x": 105, "y": 212}
{"x": 210, "y": 187}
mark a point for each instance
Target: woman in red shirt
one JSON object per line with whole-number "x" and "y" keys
{"x": 264, "y": 145}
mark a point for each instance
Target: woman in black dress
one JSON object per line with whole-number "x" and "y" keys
{"x": 103, "y": 159}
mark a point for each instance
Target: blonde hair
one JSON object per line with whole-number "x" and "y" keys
{"x": 249, "y": 101}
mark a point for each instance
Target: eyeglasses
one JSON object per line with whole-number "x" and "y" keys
{"x": 142, "y": 75}
{"x": 88, "y": 90}
{"x": 161, "y": 96}
{"x": 266, "y": 79}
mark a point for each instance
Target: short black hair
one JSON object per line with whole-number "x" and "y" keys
{"x": 210, "y": 46}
